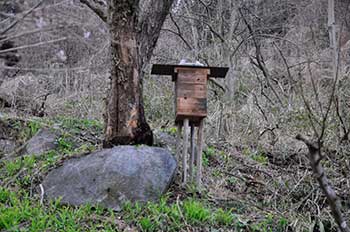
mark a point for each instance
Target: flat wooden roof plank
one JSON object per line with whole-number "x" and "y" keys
{"x": 165, "y": 69}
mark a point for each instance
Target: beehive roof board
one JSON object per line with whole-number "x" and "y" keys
{"x": 166, "y": 69}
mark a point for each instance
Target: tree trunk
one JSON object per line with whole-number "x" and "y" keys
{"x": 134, "y": 30}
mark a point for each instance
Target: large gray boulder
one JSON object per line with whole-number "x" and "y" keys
{"x": 112, "y": 176}
{"x": 44, "y": 140}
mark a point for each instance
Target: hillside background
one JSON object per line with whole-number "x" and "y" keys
{"x": 279, "y": 83}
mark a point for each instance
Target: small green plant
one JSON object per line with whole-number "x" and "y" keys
{"x": 85, "y": 148}
{"x": 4, "y": 195}
{"x": 205, "y": 160}
{"x": 12, "y": 167}
{"x": 260, "y": 158}
{"x": 24, "y": 181}
{"x": 30, "y": 129}
{"x": 217, "y": 173}
{"x": 172, "y": 130}
{"x": 34, "y": 127}
{"x": 146, "y": 224}
{"x": 232, "y": 180}
{"x": 271, "y": 224}
{"x": 282, "y": 224}
{"x": 65, "y": 145}
{"x": 29, "y": 161}
{"x": 224, "y": 155}
{"x": 196, "y": 212}
{"x": 210, "y": 151}
{"x": 223, "y": 217}
{"x": 131, "y": 211}
{"x": 207, "y": 153}
{"x": 256, "y": 155}
{"x": 50, "y": 158}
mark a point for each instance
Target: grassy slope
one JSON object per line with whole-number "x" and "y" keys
{"x": 242, "y": 192}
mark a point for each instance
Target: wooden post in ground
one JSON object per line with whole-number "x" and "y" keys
{"x": 178, "y": 141}
{"x": 191, "y": 166}
{"x": 199, "y": 154}
{"x": 185, "y": 151}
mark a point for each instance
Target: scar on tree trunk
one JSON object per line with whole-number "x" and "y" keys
{"x": 124, "y": 119}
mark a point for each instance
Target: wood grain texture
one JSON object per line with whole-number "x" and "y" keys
{"x": 191, "y": 166}
{"x": 191, "y": 90}
{"x": 199, "y": 154}
{"x": 191, "y": 106}
{"x": 192, "y": 70}
{"x": 185, "y": 151}
{"x": 178, "y": 141}
{"x": 192, "y": 78}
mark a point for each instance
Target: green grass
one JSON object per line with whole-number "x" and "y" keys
{"x": 174, "y": 216}
{"x": 260, "y": 158}
{"x": 271, "y": 224}
{"x": 207, "y": 153}
{"x": 20, "y": 212}
{"x": 20, "y": 208}
{"x": 78, "y": 125}
{"x": 196, "y": 212}
{"x": 170, "y": 130}
{"x": 223, "y": 217}
{"x": 25, "y": 129}
{"x": 256, "y": 155}
{"x": 12, "y": 167}
{"x": 65, "y": 144}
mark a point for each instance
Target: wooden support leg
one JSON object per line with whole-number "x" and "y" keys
{"x": 192, "y": 154}
{"x": 178, "y": 141}
{"x": 185, "y": 151}
{"x": 199, "y": 154}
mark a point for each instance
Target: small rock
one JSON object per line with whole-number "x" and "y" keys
{"x": 45, "y": 140}
{"x": 112, "y": 176}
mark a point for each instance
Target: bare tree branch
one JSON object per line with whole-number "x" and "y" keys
{"x": 180, "y": 36}
{"x": 31, "y": 45}
{"x": 153, "y": 11}
{"x": 25, "y": 33}
{"x": 260, "y": 61}
{"x": 178, "y": 33}
{"x": 14, "y": 23}
{"x": 315, "y": 157}
{"x": 345, "y": 136}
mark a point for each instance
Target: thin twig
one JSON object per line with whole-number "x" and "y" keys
{"x": 32, "y": 45}
{"x": 14, "y": 23}
{"x": 42, "y": 194}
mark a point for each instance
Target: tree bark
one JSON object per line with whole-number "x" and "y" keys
{"x": 134, "y": 29}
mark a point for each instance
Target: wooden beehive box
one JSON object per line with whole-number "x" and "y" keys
{"x": 190, "y": 93}
{"x": 190, "y": 88}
